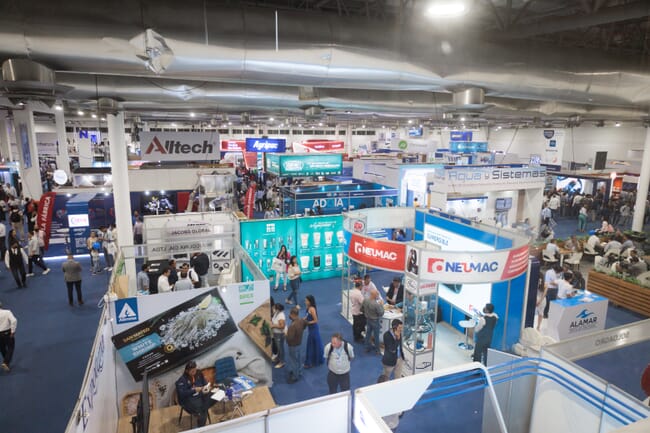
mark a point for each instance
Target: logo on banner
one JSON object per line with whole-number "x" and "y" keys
{"x": 359, "y": 226}
{"x": 380, "y": 254}
{"x": 435, "y": 265}
{"x": 585, "y": 320}
{"x": 266, "y": 144}
{"x": 172, "y": 147}
{"x": 127, "y": 310}
{"x": 549, "y": 133}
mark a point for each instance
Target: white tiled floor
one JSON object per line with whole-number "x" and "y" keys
{"x": 447, "y": 352}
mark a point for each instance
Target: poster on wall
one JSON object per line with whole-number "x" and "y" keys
{"x": 171, "y": 338}
{"x": 320, "y": 246}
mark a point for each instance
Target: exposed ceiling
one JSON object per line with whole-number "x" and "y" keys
{"x": 375, "y": 60}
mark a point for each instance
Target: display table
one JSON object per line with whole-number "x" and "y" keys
{"x": 582, "y": 314}
{"x": 389, "y": 315}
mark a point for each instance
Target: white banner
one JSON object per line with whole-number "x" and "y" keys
{"x": 496, "y": 179}
{"x": 179, "y": 146}
{"x": 553, "y": 147}
{"x": 47, "y": 149}
{"x": 480, "y": 267}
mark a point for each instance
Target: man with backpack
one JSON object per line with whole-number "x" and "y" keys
{"x": 338, "y": 354}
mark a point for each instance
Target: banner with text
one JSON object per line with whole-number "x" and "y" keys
{"x": 44, "y": 217}
{"x": 377, "y": 253}
{"x": 179, "y": 146}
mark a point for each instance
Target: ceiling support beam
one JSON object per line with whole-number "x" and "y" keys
{"x": 608, "y": 15}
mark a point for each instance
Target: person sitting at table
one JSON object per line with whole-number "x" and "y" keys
{"x": 193, "y": 393}
{"x": 552, "y": 250}
{"x": 564, "y": 287}
{"x": 573, "y": 244}
{"x": 633, "y": 268}
{"x": 594, "y": 243}
{"x": 627, "y": 243}
{"x": 605, "y": 228}
{"x": 614, "y": 244}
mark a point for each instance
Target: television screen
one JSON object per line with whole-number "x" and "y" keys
{"x": 416, "y": 132}
{"x": 504, "y": 203}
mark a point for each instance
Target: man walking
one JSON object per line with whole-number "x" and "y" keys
{"x": 358, "y": 319}
{"x": 34, "y": 253}
{"x": 373, "y": 309}
{"x": 7, "y": 342}
{"x": 72, "y": 276}
{"x": 294, "y": 343}
{"x": 393, "y": 358}
{"x": 338, "y": 354}
{"x": 15, "y": 260}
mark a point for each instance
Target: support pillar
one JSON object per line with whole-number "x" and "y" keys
{"x": 62, "y": 156}
{"x": 121, "y": 194}
{"x": 642, "y": 191}
{"x": 5, "y": 137}
{"x": 30, "y": 172}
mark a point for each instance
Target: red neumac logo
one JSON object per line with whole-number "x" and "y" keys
{"x": 176, "y": 147}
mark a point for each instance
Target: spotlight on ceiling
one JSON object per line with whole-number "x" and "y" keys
{"x": 58, "y": 107}
{"x": 94, "y": 116}
{"x": 192, "y": 114}
{"x": 446, "y": 9}
{"x": 617, "y": 124}
{"x": 80, "y": 113}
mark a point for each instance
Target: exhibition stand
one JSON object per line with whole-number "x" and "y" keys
{"x": 316, "y": 240}
{"x": 573, "y": 317}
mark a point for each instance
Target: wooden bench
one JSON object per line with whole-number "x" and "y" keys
{"x": 620, "y": 292}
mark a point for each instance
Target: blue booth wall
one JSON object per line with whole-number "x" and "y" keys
{"x": 508, "y": 304}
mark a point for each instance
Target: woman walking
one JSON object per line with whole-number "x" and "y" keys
{"x": 314, "y": 355}
{"x": 294, "y": 280}
{"x": 582, "y": 219}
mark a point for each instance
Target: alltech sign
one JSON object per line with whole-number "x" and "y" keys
{"x": 377, "y": 253}
{"x": 179, "y": 146}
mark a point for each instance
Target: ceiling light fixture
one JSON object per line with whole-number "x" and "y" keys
{"x": 58, "y": 107}
{"x": 192, "y": 114}
{"x": 410, "y": 121}
{"x": 80, "y": 113}
{"x": 173, "y": 125}
{"x": 446, "y": 9}
{"x": 462, "y": 119}
{"x": 103, "y": 119}
{"x": 271, "y": 119}
{"x": 617, "y": 124}
{"x": 94, "y": 116}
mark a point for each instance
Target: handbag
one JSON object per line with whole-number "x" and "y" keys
{"x": 278, "y": 265}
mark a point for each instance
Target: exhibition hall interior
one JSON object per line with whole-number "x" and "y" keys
{"x": 340, "y": 216}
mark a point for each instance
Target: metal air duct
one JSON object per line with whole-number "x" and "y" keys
{"x": 24, "y": 79}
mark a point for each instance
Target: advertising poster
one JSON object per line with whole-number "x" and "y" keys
{"x": 173, "y": 337}
{"x": 24, "y": 145}
{"x": 387, "y": 255}
{"x": 44, "y": 217}
{"x": 305, "y": 164}
{"x": 320, "y": 246}
{"x": 262, "y": 240}
{"x": 553, "y": 148}
{"x": 179, "y": 146}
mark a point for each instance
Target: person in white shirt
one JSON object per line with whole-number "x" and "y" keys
{"x": 551, "y": 280}
{"x": 34, "y": 253}
{"x": 564, "y": 287}
{"x": 552, "y": 250}
{"x": 368, "y": 286}
{"x": 163, "y": 282}
{"x": 8, "y": 325}
{"x": 594, "y": 242}
{"x": 358, "y": 319}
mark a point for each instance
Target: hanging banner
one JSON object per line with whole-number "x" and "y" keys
{"x": 321, "y": 146}
{"x": 376, "y": 253}
{"x": 249, "y": 200}
{"x": 233, "y": 145}
{"x": 305, "y": 164}
{"x": 266, "y": 145}
{"x": 179, "y": 146}
{"x": 553, "y": 148}
{"x": 479, "y": 267}
{"x": 44, "y": 216}
{"x": 171, "y": 338}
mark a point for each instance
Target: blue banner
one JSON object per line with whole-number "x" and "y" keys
{"x": 460, "y": 136}
{"x": 468, "y": 146}
{"x": 266, "y": 145}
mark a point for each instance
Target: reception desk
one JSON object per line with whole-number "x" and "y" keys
{"x": 582, "y": 314}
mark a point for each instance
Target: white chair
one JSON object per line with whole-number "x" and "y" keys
{"x": 574, "y": 260}
{"x": 549, "y": 260}
{"x": 589, "y": 250}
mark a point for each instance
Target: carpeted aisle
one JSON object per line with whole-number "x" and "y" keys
{"x": 53, "y": 342}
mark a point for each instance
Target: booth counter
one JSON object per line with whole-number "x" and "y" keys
{"x": 573, "y": 317}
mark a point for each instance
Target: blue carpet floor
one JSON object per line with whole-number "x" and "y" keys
{"x": 53, "y": 343}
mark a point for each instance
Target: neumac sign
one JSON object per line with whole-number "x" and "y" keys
{"x": 480, "y": 267}
{"x": 378, "y": 254}
{"x": 179, "y": 146}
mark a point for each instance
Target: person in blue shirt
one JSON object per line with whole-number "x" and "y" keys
{"x": 193, "y": 393}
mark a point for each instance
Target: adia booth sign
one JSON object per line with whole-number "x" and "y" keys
{"x": 179, "y": 146}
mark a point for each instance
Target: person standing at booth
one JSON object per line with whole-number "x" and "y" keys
{"x": 551, "y": 278}
{"x": 142, "y": 279}
{"x": 314, "y": 351}
{"x": 200, "y": 262}
{"x": 358, "y": 319}
{"x": 373, "y": 309}
{"x": 483, "y": 333}
{"x": 281, "y": 272}
{"x": 294, "y": 344}
{"x": 72, "y": 276}
{"x": 393, "y": 358}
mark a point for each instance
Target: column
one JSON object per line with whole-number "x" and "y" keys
{"x": 121, "y": 195}
{"x": 5, "y": 137}
{"x": 62, "y": 157}
{"x": 30, "y": 172}
{"x": 642, "y": 191}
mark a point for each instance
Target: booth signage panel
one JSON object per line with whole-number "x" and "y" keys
{"x": 178, "y": 230}
{"x": 460, "y": 136}
{"x": 324, "y": 146}
{"x": 448, "y": 240}
{"x": 553, "y": 147}
{"x": 320, "y": 246}
{"x": 262, "y": 240}
{"x": 480, "y": 267}
{"x": 377, "y": 253}
{"x": 568, "y": 318}
{"x": 277, "y": 145}
{"x": 467, "y": 179}
{"x": 179, "y": 146}
{"x": 310, "y": 164}
{"x": 47, "y": 149}
{"x": 171, "y": 338}
{"x": 468, "y": 146}
{"x": 233, "y": 145}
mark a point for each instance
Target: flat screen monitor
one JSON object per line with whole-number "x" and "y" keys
{"x": 601, "y": 161}
{"x": 504, "y": 203}
{"x": 416, "y": 132}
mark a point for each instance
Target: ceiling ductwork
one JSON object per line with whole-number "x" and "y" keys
{"x": 313, "y": 112}
{"x": 108, "y": 106}
{"x": 322, "y": 58}
{"x": 24, "y": 80}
